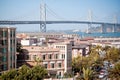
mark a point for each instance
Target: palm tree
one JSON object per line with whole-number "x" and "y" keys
{"x": 98, "y": 48}
{"x": 37, "y": 60}
{"x": 87, "y": 74}
{"x": 112, "y": 54}
{"x": 77, "y": 64}
{"x": 114, "y": 73}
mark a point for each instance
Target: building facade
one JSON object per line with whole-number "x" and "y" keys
{"x": 57, "y": 59}
{"x": 7, "y": 48}
{"x": 65, "y": 53}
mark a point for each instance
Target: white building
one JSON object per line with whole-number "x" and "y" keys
{"x": 27, "y": 42}
{"x": 66, "y": 53}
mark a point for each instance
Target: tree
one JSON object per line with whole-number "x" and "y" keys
{"x": 76, "y": 64}
{"x": 39, "y": 73}
{"x": 9, "y": 75}
{"x": 37, "y": 60}
{"x": 68, "y": 75}
{"x": 25, "y": 73}
{"x": 112, "y": 54}
{"x": 114, "y": 73}
{"x": 19, "y": 47}
{"x": 87, "y": 74}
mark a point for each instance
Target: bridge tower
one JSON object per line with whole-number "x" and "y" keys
{"x": 89, "y": 19}
{"x": 43, "y": 17}
{"x": 103, "y": 28}
{"x": 115, "y": 22}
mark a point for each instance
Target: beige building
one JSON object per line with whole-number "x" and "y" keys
{"x": 66, "y": 53}
{"x": 57, "y": 59}
{"x": 7, "y": 48}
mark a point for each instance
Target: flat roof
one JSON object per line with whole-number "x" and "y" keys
{"x": 7, "y": 27}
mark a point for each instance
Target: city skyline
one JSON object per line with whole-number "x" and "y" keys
{"x": 64, "y": 10}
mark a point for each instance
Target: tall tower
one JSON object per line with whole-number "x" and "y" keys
{"x": 115, "y": 22}
{"x": 90, "y": 20}
{"x": 43, "y": 17}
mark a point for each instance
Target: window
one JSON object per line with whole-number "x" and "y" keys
{"x": 3, "y": 42}
{"x": 11, "y": 57}
{"x": 62, "y": 56}
{"x": 59, "y": 73}
{"x": 50, "y": 56}
{"x": 11, "y": 32}
{"x": 11, "y": 41}
{"x": 11, "y": 65}
{"x": 59, "y": 65}
{"x": 4, "y": 50}
{"x": 4, "y": 59}
{"x": 56, "y": 56}
{"x": 43, "y": 57}
{"x": 45, "y": 65}
{"x": 52, "y": 65}
{"x": 4, "y": 33}
{"x": 4, "y": 67}
{"x": 14, "y": 33}
{"x": 11, "y": 49}
{"x": 0, "y": 58}
{"x": 34, "y": 57}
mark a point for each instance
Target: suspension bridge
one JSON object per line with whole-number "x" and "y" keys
{"x": 43, "y": 22}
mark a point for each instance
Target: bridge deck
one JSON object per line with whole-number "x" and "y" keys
{"x": 54, "y": 22}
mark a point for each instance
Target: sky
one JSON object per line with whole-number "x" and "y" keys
{"x": 101, "y": 10}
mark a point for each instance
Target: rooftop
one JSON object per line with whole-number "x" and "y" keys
{"x": 40, "y": 49}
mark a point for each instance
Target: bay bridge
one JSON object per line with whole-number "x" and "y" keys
{"x": 43, "y": 22}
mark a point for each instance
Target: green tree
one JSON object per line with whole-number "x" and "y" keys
{"x": 18, "y": 47}
{"x": 68, "y": 75}
{"x": 87, "y": 74}
{"x": 9, "y": 75}
{"x": 114, "y": 73}
{"x": 38, "y": 73}
{"x": 37, "y": 60}
{"x": 77, "y": 64}
{"x": 24, "y": 73}
{"x": 112, "y": 54}
{"x": 98, "y": 48}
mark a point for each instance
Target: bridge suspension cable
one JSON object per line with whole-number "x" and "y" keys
{"x": 54, "y": 14}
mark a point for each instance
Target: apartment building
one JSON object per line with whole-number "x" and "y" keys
{"x": 80, "y": 50}
{"x": 7, "y": 48}
{"x": 55, "y": 61}
{"x": 66, "y": 53}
